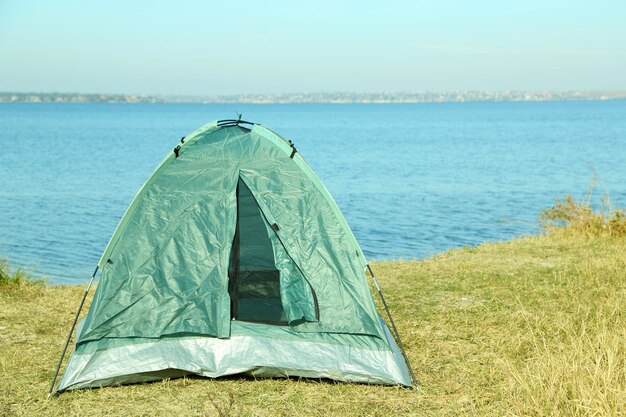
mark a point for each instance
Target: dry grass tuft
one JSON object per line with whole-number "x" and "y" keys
{"x": 16, "y": 277}
{"x": 578, "y": 218}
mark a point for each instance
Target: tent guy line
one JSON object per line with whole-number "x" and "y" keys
{"x": 69, "y": 336}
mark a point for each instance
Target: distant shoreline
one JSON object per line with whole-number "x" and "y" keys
{"x": 321, "y": 98}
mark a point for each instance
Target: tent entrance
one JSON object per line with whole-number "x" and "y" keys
{"x": 254, "y": 280}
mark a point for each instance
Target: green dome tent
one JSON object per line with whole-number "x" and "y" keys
{"x": 233, "y": 258}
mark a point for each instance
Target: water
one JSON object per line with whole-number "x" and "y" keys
{"x": 411, "y": 179}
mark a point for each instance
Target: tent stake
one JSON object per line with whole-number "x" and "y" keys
{"x": 395, "y": 330}
{"x": 69, "y": 336}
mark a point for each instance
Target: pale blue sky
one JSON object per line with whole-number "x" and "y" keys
{"x": 210, "y": 47}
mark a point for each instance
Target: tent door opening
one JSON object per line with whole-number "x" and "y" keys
{"x": 254, "y": 280}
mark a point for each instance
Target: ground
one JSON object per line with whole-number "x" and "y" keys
{"x": 534, "y": 326}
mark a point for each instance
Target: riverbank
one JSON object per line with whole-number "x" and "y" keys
{"x": 534, "y": 326}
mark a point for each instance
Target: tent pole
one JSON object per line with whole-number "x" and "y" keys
{"x": 69, "y": 336}
{"x": 395, "y": 330}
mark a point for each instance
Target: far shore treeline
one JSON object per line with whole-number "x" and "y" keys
{"x": 337, "y": 97}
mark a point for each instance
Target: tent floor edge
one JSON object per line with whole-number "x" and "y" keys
{"x": 253, "y": 355}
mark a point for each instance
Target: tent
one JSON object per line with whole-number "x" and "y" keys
{"x": 233, "y": 258}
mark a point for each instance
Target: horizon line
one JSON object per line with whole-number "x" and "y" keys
{"x": 320, "y": 97}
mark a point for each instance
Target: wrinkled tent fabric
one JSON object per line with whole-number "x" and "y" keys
{"x": 233, "y": 258}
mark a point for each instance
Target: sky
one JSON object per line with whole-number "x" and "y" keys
{"x": 190, "y": 47}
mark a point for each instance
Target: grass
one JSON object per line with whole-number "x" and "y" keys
{"x": 15, "y": 277}
{"x": 535, "y": 326}
{"x": 578, "y": 217}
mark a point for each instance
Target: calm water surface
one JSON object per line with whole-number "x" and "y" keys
{"x": 411, "y": 179}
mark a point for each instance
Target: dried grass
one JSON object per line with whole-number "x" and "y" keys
{"x": 579, "y": 218}
{"x": 535, "y": 326}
